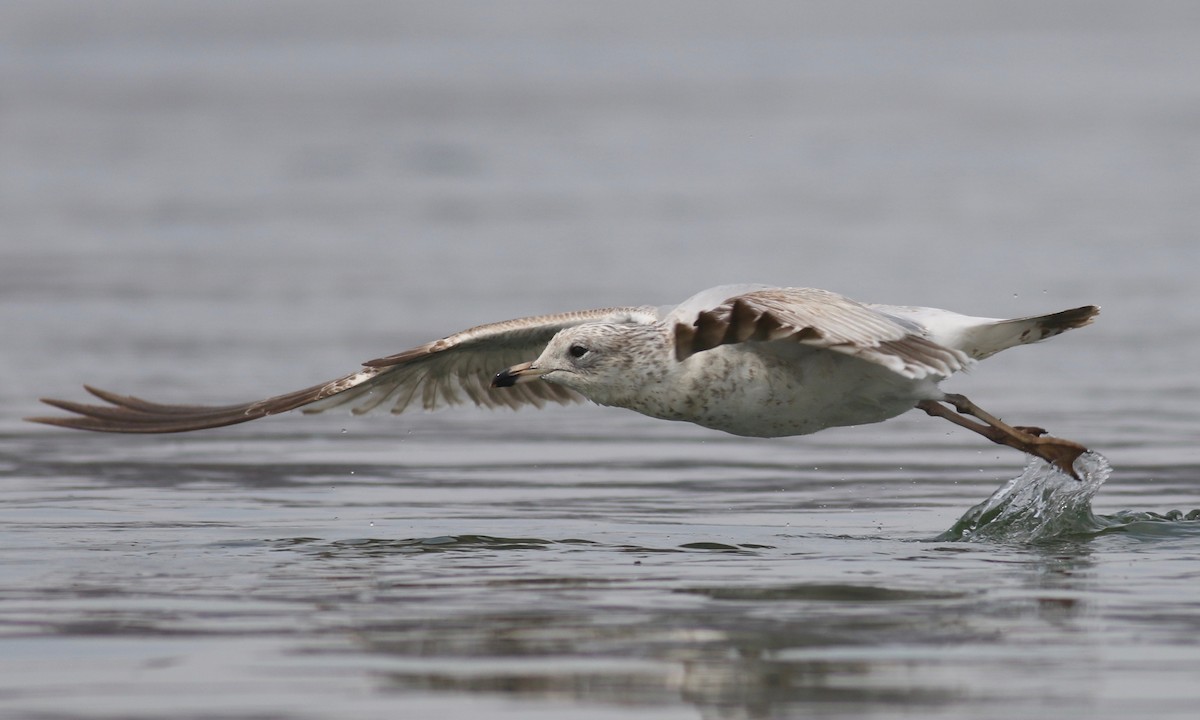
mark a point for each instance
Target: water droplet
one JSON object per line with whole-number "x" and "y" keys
{"x": 343, "y": 431}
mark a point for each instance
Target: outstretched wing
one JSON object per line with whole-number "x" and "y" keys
{"x": 450, "y": 371}
{"x": 822, "y": 319}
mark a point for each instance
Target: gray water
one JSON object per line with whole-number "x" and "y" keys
{"x": 212, "y": 202}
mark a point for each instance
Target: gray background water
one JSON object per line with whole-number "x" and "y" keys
{"x": 214, "y": 201}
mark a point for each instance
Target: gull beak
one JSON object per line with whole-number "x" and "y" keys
{"x": 517, "y": 374}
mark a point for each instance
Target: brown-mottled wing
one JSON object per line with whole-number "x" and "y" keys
{"x": 450, "y": 371}
{"x": 822, "y": 319}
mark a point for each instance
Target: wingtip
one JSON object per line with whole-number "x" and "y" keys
{"x": 66, "y": 422}
{"x": 68, "y": 405}
{"x": 57, "y": 421}
{"x": 59, "y": 404}
{"x": 96, "y": 392}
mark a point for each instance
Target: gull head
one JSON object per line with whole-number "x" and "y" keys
{"x": 604, "y": 362}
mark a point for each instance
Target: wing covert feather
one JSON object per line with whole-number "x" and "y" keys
{"x": 822, "y": 319}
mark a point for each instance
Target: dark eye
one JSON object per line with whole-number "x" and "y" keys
{"x": 578, "y": 351}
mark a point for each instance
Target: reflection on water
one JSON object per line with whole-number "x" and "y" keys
{"x": 754, "y": 644}
{"x": 472, "y": 543}
{"x": 741, "y": 654}
{"x": 758, "y": 609}
{"x": 754, "y": 650}
{"x": 751, "y": 642}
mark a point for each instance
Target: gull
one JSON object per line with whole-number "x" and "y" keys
{"x": 751, "y": 360}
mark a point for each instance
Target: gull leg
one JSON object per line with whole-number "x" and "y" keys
{"x": 1056, "y": 451}
{"x": 1030, "y": 429}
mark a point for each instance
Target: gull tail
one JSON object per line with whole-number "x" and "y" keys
{"x": 987, "y": 339}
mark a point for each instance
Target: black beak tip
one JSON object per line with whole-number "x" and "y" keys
{"x": 504, "y": 379}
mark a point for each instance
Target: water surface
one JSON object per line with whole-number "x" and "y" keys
{"x": 214, "y": 203}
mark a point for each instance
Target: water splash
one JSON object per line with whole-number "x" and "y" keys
{"x": 1041, "y": 504}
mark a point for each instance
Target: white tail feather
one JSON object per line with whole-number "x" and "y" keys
{"x": 987, "y": 339}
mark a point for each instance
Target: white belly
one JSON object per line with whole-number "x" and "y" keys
{"x": 744, "y": 391}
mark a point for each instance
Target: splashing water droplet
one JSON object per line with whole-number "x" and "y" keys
{"x": 1042, "y": 503}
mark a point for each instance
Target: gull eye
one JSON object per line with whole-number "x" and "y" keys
{"x": 577, "y": 351}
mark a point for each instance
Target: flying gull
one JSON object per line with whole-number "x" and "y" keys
{"x": 750, "y": 360}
